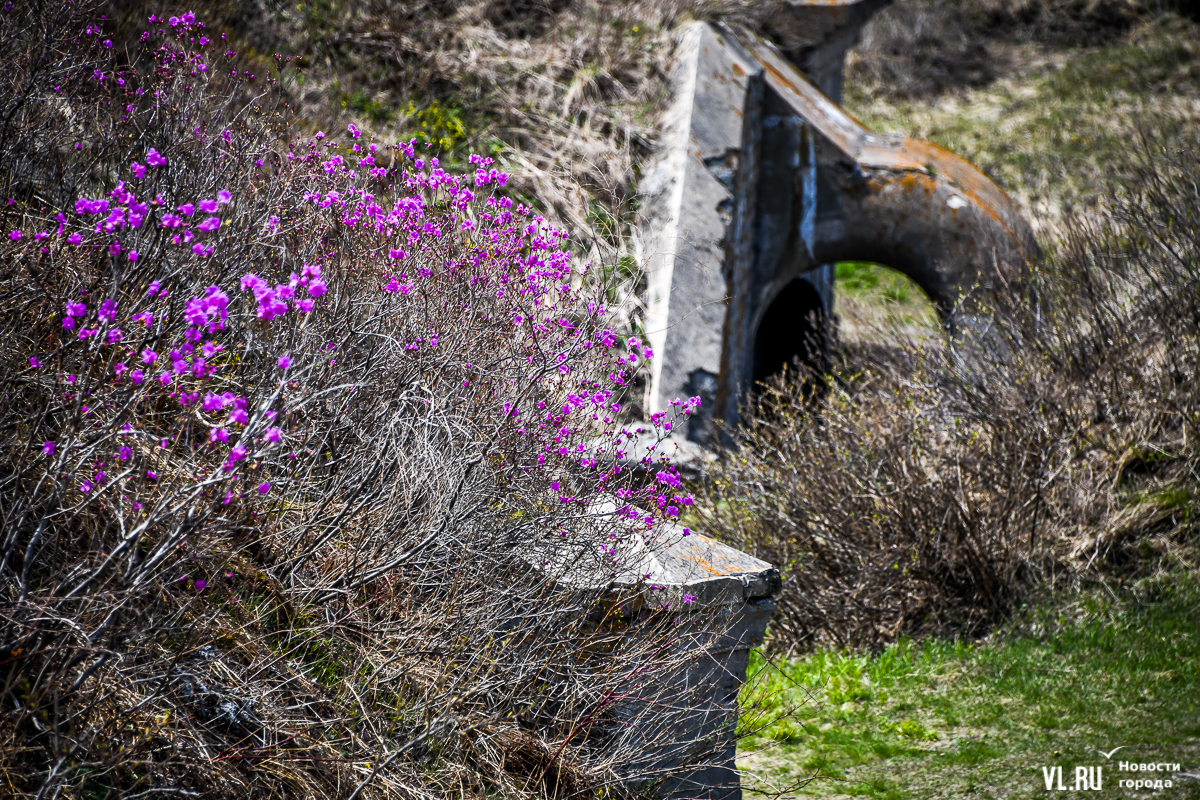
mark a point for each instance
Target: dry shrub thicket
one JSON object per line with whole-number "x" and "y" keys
{"x": 1054, "y": 442}
{"x": 387, "y": 568}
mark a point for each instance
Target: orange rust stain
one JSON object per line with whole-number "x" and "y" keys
{"x": 704, "y": 563}
{"x": 737, "y": 70}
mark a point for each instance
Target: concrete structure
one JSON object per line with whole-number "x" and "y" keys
{"x": 723, "y": 602}
{"x": 762, "y": 182}
{"x": 731, "y": 608}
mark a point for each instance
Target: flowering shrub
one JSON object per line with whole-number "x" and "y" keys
{"x": 294, "y": 425}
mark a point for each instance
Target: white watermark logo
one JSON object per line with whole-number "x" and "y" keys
{"x": 1090, "y": 778}
{"x": 1086, "y": 779}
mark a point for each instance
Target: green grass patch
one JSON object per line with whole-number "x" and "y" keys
{"x": 1099, "y": 670}
{"x": 878, "y": 294}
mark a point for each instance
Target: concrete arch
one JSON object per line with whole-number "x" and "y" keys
{"x": 936, "y": 219}
{"x": 792, "y": 325}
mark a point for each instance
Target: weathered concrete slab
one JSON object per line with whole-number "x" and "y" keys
{"x": 721, "y": 601}
{"x": 724, "y": 597}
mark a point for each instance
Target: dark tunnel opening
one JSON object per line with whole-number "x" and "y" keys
{"x": 794, "y": 327}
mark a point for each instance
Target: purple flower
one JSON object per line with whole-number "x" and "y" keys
{"x": 133, "y": 255}
{"x": 115, "y": 335}
{"x": 33, "y": 362}
{"x": 238, "y": 415}
{"x": 119, "y": 367}
{"x": 273, "y": 435}
{"x": 213, "y": 402}
{"x": 688, "y": 599}
{"x": 86, "y": 487}
{"x": 218, "y": 435}
{"x": 15, "y": 236}
{"x": 316, "y": 287}
{"x": 108, "y": 310}
{"x": 153, "y": 288}
{"x": 48, "y": 448}
{"x": 173, "y": 21}
{"x": 187, "y": 209}
{"x": 209, "y": 225}
{"x": 151, "y": 475}
{"x": 304, "y": 305}
{"x": 149, "y": 356}
{"x": 253, "y": 283}
{"x": 124, "y": 453}
{"x": 207, "y": 206}
{"x": 284, "y": 362}
{"x": 200, "y": 582}
{"x": 68, "y": 323}
{"x": 74, "y": 238}
{"x": 76, "y": 309}
{"x": 153, "y": 158}
{"x": 264, "y": 487}
{"x": 224, "y": 197}
{"x": 138, "y": 170}
{"x": 137, "y": 376}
